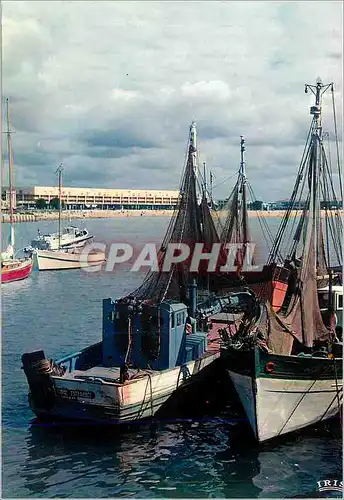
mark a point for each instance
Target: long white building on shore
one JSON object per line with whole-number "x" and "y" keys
{"x": 81, "y": 198}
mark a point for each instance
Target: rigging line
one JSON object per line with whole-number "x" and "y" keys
{"x": 330, "y": 224}
{"x": 324, "y": 186}
{"x": 262, "y": 221}
{"x": 337, "y": 390}
{"x": 333, "y": 221}
{"x": 295, "y": 203}
{"x": 253, "y": 197}
{"x": 282, "y": 228}
{"x": 284, "y": 221}
{"x": 337, "y": 145}
{"x": 299, "y": 216}
{"x": 227, "y": 179}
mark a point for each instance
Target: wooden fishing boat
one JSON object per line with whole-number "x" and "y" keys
{"x": 12, "y": 268}
{"x": 287, "y": 366}
{"x": 154, "y": 341}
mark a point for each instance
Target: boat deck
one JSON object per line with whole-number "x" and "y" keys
{"x": 220, "y": 321}
{"x": 112, "y": 374}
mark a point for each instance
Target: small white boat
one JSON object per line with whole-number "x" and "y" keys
{"x": 64, "y": 249}
{"x": 70, "y": 236}
{"x": 75, "y": 258}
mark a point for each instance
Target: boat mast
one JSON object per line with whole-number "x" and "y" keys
{"x": 211, "y": 190}
{"x": 243, "y": 188}
{"x": 10, "y": 174}
{"x": 205, "y": 178}
{"x": 59, "y": 172}
{"x": 193, "y": 146}
{"x": 316, "y": 159}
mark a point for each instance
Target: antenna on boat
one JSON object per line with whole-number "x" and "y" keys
{"x": 10, "y": 174}
{"x": 318, "y": 90}
{"x": 59, "y": 171}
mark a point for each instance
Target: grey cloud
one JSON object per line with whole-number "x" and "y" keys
{"x": 115, "y": 138}
{"x": 110, "y": 88}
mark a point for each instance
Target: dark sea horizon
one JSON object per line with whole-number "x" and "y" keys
{"x": 202, "y": 451}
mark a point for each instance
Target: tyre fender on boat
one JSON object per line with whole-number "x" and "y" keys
{"x": 269, "y": 367}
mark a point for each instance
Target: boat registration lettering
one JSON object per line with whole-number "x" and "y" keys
{"x": 75, "y": 393}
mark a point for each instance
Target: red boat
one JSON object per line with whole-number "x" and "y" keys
{"x": 15, "y": 269}
{"x": 12, "y": 268}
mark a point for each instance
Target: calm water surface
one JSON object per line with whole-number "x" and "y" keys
{"x": 207, "y": 456}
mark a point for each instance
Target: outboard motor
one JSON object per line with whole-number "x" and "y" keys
{"x": 38, "y": 370}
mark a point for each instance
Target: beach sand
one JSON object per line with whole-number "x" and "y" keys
{"x": 114, "y": 214}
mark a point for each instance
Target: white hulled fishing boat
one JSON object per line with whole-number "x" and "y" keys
{"x": 286, "y": 366}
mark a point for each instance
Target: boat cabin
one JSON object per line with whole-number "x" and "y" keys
{"x": 336, "y": 301}
{"x": 159, "y": 336}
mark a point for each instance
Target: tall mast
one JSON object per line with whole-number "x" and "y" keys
{"x": 316, "y": 160}
{"x": 59, "y": 172}
{"x": 205, "y": 179}
{"x": 211, "y": 188}
{"x": 10, "y": 173}
{"x": 242, "y": 159}
{"x": 193, "y": 146}
{"x": 243, "y": 187}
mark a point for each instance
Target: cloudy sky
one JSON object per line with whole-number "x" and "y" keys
{"x": 110, "y": 88}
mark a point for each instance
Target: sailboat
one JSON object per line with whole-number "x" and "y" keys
{"x": 67, "y": 254}
{"x": 12, "y": 268}
{"x": 286, "y": 366}
{"x": 154, "y": 341}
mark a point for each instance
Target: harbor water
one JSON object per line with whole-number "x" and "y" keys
{"x": 201, "y": 452}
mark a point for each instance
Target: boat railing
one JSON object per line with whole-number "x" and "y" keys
{"x": 71, "y": 358}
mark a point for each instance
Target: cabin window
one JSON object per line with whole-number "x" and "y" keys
{"x": 340, "y": 301}
{"x": 323, "y": 300}
{"x": 179, "y": 319}
{"x": 172, "y": 320}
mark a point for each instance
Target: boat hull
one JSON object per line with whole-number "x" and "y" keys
{"x": 49, "y": 260}
{"x": 17, "y": 273}
{"x": 298, "y": 392}
{"x": 109, "y": 402}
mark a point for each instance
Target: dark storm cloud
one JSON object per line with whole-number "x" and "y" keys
{"x": 115, "y": 138}
{"x": 110, "y": 88}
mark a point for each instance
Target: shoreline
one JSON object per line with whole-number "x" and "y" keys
{"x": 115, "y": 214}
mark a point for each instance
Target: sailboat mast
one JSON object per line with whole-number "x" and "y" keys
{"x": 244, "y": 194}
{"x": 193, "y": 146}
{"x": 205, "y": 177}
{"x": 59, "y": 171}
{"x": 316, "y": 160}
{"x": 10, "y": 172}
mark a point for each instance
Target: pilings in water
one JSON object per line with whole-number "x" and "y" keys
{"x": 18, "y": 218}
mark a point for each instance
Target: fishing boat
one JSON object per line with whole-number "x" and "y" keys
{"x": 70, "y": 237}
{"x": 286, "y": 366}
{"x": 65, "y": 249}
{"x": 12, "y": 268}
{"x": 154, "y": 341}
